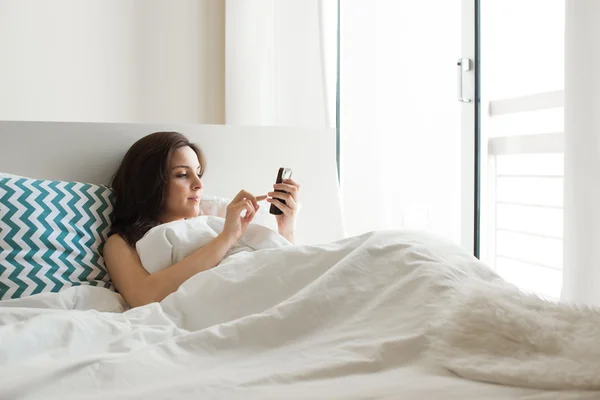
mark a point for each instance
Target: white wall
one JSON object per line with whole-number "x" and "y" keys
{"x": 112, "y": 60}
{"x": 582, "y": 153}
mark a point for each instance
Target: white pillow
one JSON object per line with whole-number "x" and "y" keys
{"x": 212, "y": 205}
{"x": 169, "y": 243}
{"x": 217, "y": 206}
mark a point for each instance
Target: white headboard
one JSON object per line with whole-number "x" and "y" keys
{"x": 237, "y": 158}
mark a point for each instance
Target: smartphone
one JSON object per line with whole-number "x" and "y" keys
{"x": 283, "y": 173}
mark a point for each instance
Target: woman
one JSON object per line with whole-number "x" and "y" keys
{"x": 160, "y": 181}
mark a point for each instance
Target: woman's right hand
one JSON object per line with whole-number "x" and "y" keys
{"x": 235, "y": 222}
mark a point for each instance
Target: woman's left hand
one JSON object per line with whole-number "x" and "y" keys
{"x": 287, "y": 220}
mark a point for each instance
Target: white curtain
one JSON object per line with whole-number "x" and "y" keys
{"x": 581, "y": 268}
{"x": 280, "y": 62}
{"x": 361, "y": 163}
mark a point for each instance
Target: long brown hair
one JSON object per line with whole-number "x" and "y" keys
{"x": 140, "y": 183}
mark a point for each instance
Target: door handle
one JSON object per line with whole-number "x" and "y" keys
{"x": 463, "y": 65}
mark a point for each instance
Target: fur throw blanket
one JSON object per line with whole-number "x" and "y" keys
{"x": 495, "y": 333}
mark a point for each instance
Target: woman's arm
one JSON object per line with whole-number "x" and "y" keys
{"x": 139, "y": 287}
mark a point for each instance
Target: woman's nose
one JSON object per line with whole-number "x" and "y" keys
{"x": 197, "y": 183}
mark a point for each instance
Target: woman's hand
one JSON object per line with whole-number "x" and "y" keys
{"x": 235, "y": 222}
{"x": 286, "y": 221}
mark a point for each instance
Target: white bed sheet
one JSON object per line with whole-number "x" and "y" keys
{"x": 345, "y": 320}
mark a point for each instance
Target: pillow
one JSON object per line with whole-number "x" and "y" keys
{"x": 169, "y": 243}
{"x": 217, "y": 206}
{"x": 51, "y": 235}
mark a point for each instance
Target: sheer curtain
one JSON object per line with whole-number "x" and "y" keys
{"x": 400, "y": 121}
{"x": 280, "y": 58}
{"x": 581, "y": 269}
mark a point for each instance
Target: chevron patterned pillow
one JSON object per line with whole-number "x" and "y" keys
{"x": 51, "y": 235}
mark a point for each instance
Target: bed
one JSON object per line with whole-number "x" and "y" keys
{"x": 334, "y": 317}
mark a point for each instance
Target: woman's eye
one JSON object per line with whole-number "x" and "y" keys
{"x": 185, "y": 175}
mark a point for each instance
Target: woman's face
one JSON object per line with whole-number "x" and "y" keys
{"x": 184, "y": 188}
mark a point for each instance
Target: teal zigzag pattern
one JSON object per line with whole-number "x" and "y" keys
{"x": 51, "y": 235}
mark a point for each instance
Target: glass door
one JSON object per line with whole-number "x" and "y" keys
{"x": 408, "y": 107}
{"x": 522, "y": 61}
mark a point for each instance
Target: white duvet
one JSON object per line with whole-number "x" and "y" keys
{"x": 345, "y": 320}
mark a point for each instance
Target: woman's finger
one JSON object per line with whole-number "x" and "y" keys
{"x": 242, "y": 205}
{"x": 251, "y": 212}
{"x": 252, "y": 202}
{"x": 293, "y": 190}
{"x": 249, "y": 217}
{"x": 245, "y": 195}
{"x": 288, "y": 198}
{"x": 250, "y": 207}
{"x": 241, "y": 194}
{"x": 292, "y": 182}
{"x": 283, "y": 207}
{"x": 286, "y": 187}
